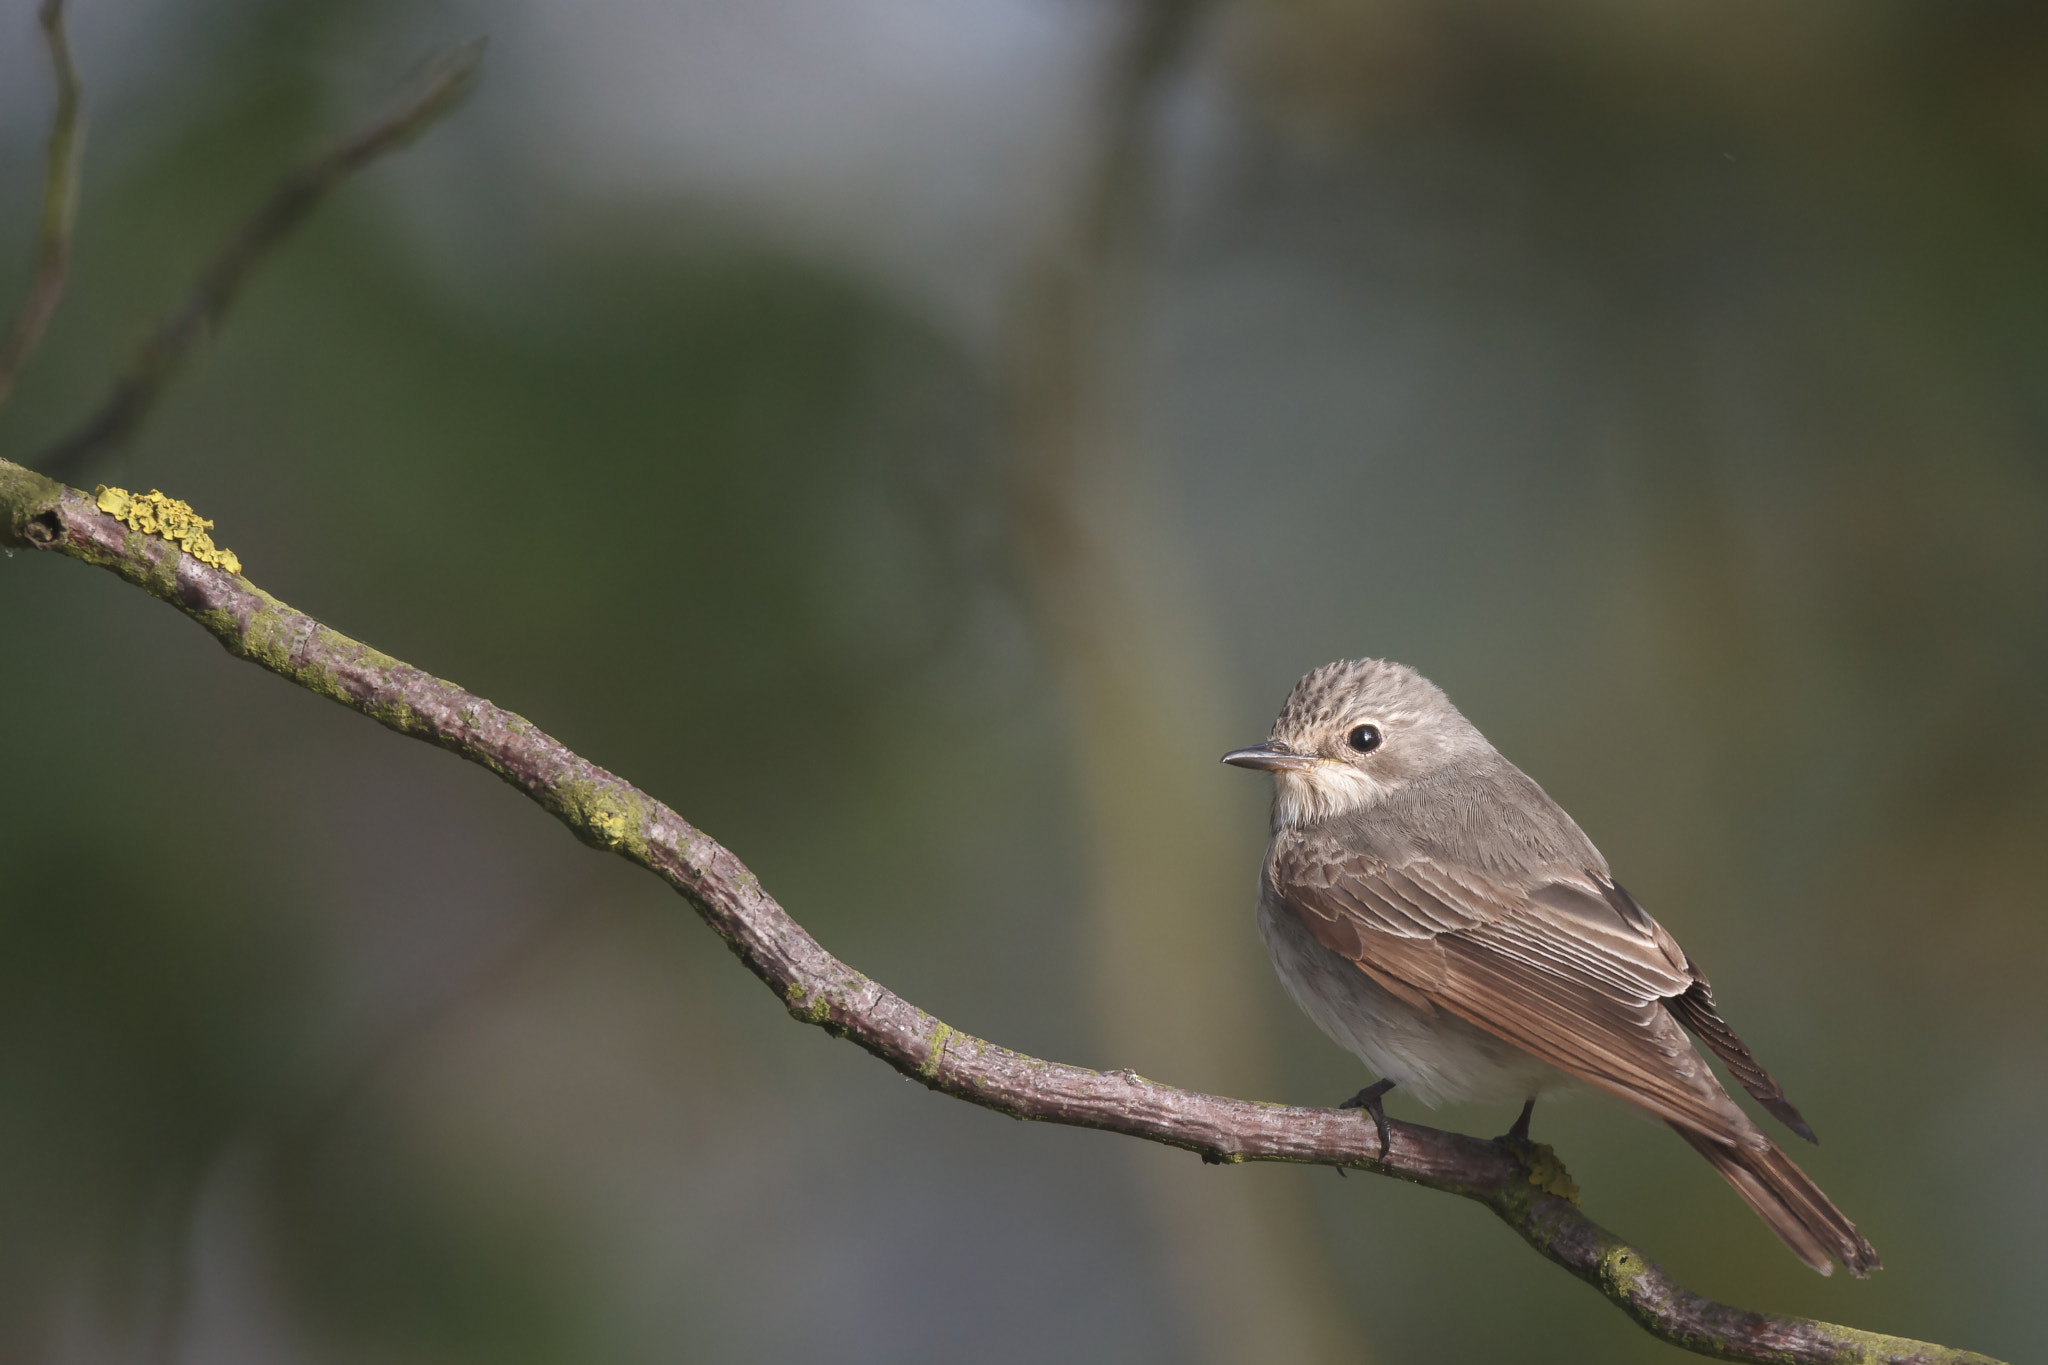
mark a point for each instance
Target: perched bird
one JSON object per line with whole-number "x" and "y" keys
{"x": 1441, "y": 917}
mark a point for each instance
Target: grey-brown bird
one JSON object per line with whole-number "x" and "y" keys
{"x": 1438, "y": 915}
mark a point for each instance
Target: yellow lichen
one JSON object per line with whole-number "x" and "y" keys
{"x": 1547, "y": 1173}
{"x": 609, "y": 826}
{"x": 167, "y": 518}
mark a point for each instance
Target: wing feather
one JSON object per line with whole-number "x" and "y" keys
{"x": 1560, "y": 968}
{"x": 1695, "y": 1009}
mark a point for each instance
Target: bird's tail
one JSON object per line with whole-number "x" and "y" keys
{"x": 1786, "y": 1198}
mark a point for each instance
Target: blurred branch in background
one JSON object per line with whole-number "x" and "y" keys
{"x": 449, "y": 77}
{"x": 1171, "y": 949}
{"x": 60, "y": 204}
{"x": 1523, "y": 1184}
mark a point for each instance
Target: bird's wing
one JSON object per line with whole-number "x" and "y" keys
{"x": 1695, "y": 1009}
{"x": 1568, "y": 968}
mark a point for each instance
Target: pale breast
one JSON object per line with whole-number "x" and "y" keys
{"x": 1434, "y": 1056}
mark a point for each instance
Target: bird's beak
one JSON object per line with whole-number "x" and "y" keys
{"x": 1273, "y": 756}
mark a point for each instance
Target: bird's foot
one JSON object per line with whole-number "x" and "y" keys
{"x": 1546, "y": 1172}
{"x": 1368, "y": 1099}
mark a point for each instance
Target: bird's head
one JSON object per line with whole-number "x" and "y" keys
{"x": 1354, "y": 732}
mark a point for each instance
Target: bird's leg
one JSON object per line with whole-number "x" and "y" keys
{"x": 1368, "y": 1099}
{"x": 1546, "y": 1172}
{"x": 1520, "y": 1131}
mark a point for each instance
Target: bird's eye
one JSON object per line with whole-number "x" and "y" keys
{"x": 1364, "y": 738}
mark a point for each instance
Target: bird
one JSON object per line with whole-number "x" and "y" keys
{"x": 1435, "y": 913}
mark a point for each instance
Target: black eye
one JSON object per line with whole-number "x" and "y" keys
{"x": 1364, "y": 738}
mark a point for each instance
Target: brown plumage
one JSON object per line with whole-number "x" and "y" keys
{"x": 1437, "y": 914}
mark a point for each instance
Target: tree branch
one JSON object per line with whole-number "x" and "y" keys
{"x": 817, "y": 988}
{"x": 157, "y": 359}
{"x": 60, "y": 205}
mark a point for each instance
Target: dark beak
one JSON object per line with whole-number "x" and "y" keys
{"x": 1272, "y": 756}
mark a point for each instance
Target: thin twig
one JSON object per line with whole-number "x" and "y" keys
{"x": 817, "y": 988}
{"x": 60, "y": 204}
{"x": 156, "y": 361}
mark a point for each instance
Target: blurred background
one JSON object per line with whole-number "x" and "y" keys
{"x": 914, "y": 440}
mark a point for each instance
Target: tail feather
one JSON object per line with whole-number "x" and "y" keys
{"x": 1788, "y": 1201}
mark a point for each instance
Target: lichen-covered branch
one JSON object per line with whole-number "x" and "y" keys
{"x": 60, "y": 204}
{"x": 156, "y": 361}
{"x": 1525, "y": 1186}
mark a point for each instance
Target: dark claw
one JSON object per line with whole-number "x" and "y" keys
{"x": 1368, "y": 1099}
{"x": 1520, "y": 1131}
